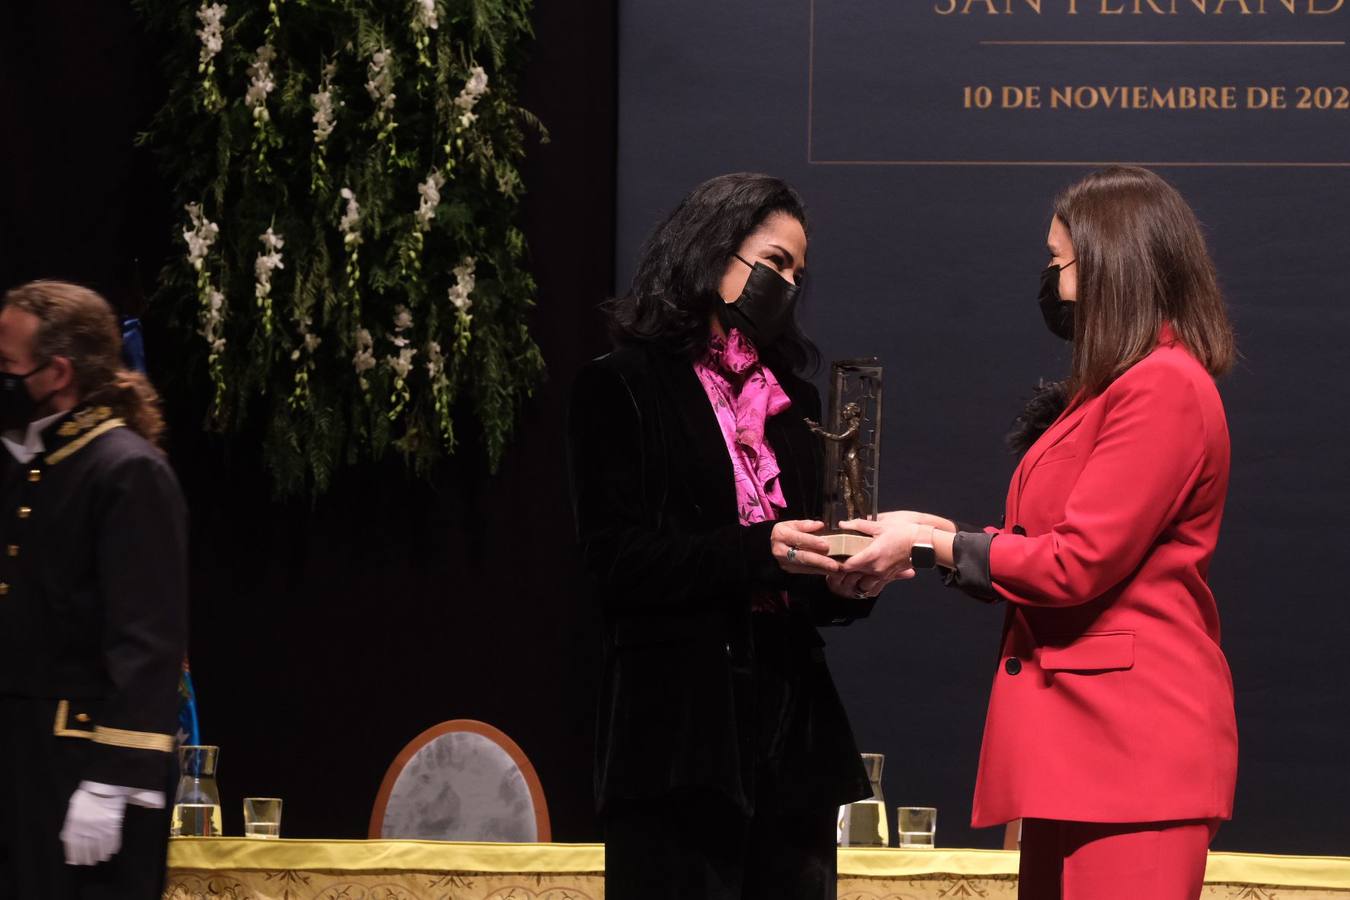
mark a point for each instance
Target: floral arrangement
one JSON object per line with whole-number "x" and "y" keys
{"x": 351, "y": 270}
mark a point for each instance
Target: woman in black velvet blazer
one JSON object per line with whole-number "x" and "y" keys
{"x": 723, "y": 749}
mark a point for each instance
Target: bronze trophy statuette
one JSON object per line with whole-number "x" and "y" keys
{"x": 852, "y": 452}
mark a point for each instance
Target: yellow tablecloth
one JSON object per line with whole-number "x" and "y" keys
{"x": 238, "y": 869}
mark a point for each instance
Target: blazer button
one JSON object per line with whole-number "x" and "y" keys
{"x": 1019, "y": 530}
{"x": 1012, "y": 666}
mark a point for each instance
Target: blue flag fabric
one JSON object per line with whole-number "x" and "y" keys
{"x": 188, "y": 730}
{"x": 133, "y": 345}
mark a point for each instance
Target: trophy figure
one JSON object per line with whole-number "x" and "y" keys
{"x": 852, "y": 451}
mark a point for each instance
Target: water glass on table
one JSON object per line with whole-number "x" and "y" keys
{"x": 916, "y": 826}
{"x": 262, "y": 817}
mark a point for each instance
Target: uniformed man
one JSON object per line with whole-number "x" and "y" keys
{"x": 93, "y": 611}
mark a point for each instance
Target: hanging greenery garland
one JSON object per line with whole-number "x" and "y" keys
{"x": 351, "y": 266}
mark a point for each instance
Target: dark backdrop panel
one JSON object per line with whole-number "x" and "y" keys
{"x": 935, "y": 270}
{"x": 324, "y": 638}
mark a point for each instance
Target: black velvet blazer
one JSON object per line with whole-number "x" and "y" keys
{"x": 674, "y": 571}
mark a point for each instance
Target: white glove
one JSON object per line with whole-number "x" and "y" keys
{"x": 92, "y": 833}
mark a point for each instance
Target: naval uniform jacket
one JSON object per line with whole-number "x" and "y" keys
{"x": 673, "y": 574}
{"x": 93, "y": 588}
{"x": 1112, "y": 701}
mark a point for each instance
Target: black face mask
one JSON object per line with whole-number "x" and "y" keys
{"x": 17, "y": 406}
{"x": 765, "y": 308}
{"x": 1058, "y": 314}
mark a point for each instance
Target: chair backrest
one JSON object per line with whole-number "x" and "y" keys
{"x": 461, "y": 780}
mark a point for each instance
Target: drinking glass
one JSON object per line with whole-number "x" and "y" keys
{"x": 262, "y": 817}
{"x": 916, "y": 826}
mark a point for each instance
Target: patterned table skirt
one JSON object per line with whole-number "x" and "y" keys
{"x": 238, "y": 869}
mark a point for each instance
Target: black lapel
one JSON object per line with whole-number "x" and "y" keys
{"x": 699, "y": 432}
{"x": 799, "y": 458}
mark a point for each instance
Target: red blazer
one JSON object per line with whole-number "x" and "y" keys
{"x": 1112, "y": 701}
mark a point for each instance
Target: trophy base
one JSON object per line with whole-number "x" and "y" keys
{"x": 844, "y": 544}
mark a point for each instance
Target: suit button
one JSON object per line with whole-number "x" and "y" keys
{"x": 1012, "y": 666}
{"x": 13, "y": 550}
{"x": 1019, "y": 530}
{"x": 25, "y": 512}
{"x": 4, "y": 589}
{"x": 35, "y": 475}
{"x": 728, "y": 649}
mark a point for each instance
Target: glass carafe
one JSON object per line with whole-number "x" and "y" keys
{"x": 196, "y": 805}
{"x": 864, "y": 824}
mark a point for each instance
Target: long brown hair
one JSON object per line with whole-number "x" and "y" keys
{"x": 1142, "y": 262}
{"x": 78, "y": 324}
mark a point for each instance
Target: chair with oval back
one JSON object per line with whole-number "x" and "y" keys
{"x": 461, "y": 780}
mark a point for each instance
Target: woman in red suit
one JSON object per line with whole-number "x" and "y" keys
{"x": 1110, "y": 729}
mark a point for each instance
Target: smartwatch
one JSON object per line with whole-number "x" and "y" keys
{"x": 922, "y": 555}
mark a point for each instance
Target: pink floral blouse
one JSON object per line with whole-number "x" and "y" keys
{"x": 744, "y": 394}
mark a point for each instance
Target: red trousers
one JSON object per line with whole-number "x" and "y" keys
{"x": 1089, "y": 861}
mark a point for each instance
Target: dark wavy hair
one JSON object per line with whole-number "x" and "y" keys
{"x": 675, "y": 290}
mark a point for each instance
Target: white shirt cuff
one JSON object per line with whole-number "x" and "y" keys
{"x": 135, "y": 796}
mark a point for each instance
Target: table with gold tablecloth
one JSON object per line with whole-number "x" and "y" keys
{"x": 239, "y": 869}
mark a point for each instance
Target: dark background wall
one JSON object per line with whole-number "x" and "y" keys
{"x": 934, "y": 268}
{"x": 325, "y": 638}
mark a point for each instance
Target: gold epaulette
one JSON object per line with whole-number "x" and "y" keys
{"x": 82, "y": 428}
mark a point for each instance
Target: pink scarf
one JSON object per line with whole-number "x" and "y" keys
{"x": 744, "y": 394}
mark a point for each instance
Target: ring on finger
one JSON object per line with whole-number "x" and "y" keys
{"x": 792, "y": 554}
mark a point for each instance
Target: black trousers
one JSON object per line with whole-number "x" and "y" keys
{"x": 38, "y": 773}
{"x": 695, "y": 843}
